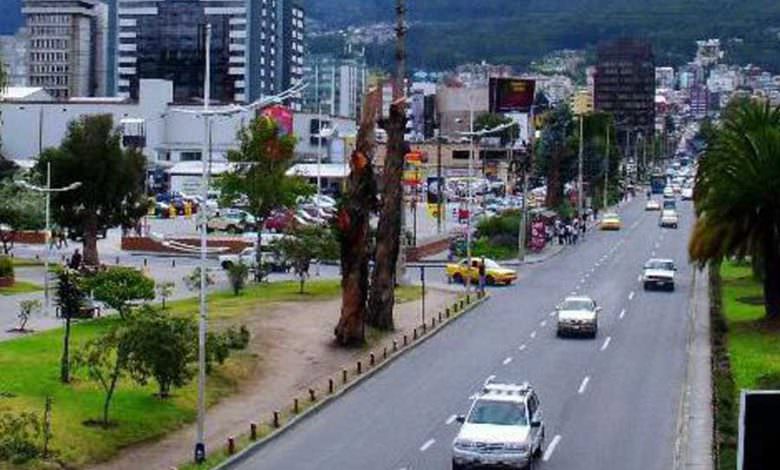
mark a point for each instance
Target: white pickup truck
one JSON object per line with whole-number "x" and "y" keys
{"x": 659, "y": 273}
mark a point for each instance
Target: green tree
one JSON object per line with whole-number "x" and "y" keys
{"x": 192, "y": 280}
{"x": 105, "y": 361}
{"x": 112, "y": 189}
{"x": 119, "y": 287}
{"x": 491, "y": 121}
{"x": 262, "y": 161}
{"x": 162, "y": 347}
{"x": 70, "y": 299}
{"x": 556, "y": 159}
{"x": 304, "y": 244}
{"x": 237, "y": 274}
{"x": 19, "y": 210}
{"x": 165, "y": 290}
{"x": 737, "y": 195}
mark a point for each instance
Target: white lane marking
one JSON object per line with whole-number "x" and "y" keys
{"x": 451, "y": 419}
{"x": 552, "y": 314}
{"x": 427, "y": 445}
{"x": 606, "y": 343}
{"x": 490, "y": 378}
{"x": 652, "y": 255}
{"x": 574, "y": 292}
{"x": 543, "y": 323}
{"x": 507, "y": 360}
{"x": 622, "y": 313}
{"x": 533, "y": 334}
{"x": 639, "y": 278}
{"x": 521, "y": 348}
{"x": 631, "y": 295}
{"x": 551, "y": 448}
{"x": 657, "y": 245}
{"x": 583, "y": 385}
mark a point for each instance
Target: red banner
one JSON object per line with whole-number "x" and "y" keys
{"x": 282, "y": 115}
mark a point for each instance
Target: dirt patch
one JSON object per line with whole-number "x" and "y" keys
{"x": 295, "y": 342}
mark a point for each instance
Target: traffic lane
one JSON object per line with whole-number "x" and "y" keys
{"x": 633, "y": 394}
{"x": 559, "y": 368}
{"x": 446, "y": 384}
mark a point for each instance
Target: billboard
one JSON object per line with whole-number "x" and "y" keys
{"x": 509, "y": 95}
{"x": 282, "y": 115}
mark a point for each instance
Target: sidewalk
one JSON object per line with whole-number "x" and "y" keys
{"x": 694, "y": 445}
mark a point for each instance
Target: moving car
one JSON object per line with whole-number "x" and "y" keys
{"x": 611, "y": 221}
{"x": 669, "y": 192}
{"x": 686, "y": 193}
{"x": 659, "y": 273}
{"x": 669, "y": 218}
{"x": 652, "y": 205}
{"x": 494, "y": 273}
{"x": 503, "y": 428}
{"x": 578, "y": 315}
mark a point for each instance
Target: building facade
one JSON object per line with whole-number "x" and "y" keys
{"x": 625, "y": 85}
{"x": 14, "y": 54}
{"x": 256, "y": 46}
{"x": 67, "y": 46}
{"x": 336, "y": 84}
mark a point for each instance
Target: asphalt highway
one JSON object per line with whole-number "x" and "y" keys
{"x": 608, "y": 403}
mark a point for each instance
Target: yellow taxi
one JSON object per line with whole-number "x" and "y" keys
{"x": 611, "y": 221}
{"x": 494, "y": 273}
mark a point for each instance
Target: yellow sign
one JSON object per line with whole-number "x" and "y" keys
{"x": 433, "y": 210}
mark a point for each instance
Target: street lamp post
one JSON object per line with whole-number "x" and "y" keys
{"x": 470, "y": 192}
{"x": 47, "y": 190}
{"x": 522, "y": 236}
{"x": 580, "y": 158}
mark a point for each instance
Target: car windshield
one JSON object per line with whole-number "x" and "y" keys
{"x": 670, "y": 214}
{"x": 502, "y": 413}
{"x": 490, "y": 264}
{"x": 658, "y": 264}
{"x": 610, "y": 216}
{"x": 577, "y": 304}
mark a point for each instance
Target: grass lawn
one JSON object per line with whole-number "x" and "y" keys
{"x": 29, "y": 372}
{"x": 26, "y": 262}
{"x": 20, "y": 287}
{"x": 753, "y": 347}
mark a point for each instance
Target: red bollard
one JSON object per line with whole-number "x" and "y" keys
{"x": 231, "y": 445}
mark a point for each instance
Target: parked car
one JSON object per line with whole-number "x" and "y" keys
{"x": 232, "y": 221}
{"x": 578, "y": 315}
{"x": 248, "y": 256}
{"x": 659, "y": 273}
{"x": 504, "y": 427}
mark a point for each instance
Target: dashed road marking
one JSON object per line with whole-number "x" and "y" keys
{"x": 427, "y": 445}
{"x": 552, "y": 314}
{"x": 606, "y": 343}
{"x": 533, "y": 334}
{"x": 451, "y": 419}
{"x": 622, "y": 313}
{"x": 583, "y": 385}
{"x": 521, "y": 347}
{"x": 631, "y": 295}
{"x": 652, "y": 255}
{"x": 639, "y": 278}
{"x": 543, "y": 323}
{"x": 551, "y": 448}
{"x": 507, "y": 360}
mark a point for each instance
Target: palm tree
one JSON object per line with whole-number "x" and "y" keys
{"x": 738, "y": 195}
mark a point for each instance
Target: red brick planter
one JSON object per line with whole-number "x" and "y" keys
{"x": 6, "y": 281}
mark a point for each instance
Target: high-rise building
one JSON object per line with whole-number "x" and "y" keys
{"x": 335, "y": 84}
{"x": 625, "y": 85}
{"x": 256, "y": 46}
{"x": 67, "y": 46}
{"x": 14, "y": 55}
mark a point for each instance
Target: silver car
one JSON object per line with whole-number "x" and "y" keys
{"x": 578, "y": 315}
{"x": 504, "y": 428}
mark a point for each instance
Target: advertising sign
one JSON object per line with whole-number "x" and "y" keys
{"x": 282, "y": 115}
{"x": 511, "y": 95}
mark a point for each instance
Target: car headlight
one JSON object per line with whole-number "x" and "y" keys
{"x": 516, "y": 446}
{"x": 464, "y": 444}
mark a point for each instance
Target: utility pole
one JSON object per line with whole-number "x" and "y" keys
{"x": 319, "y": 147}
{"x": 200, "y": 444}
{"x": 521, "y": 249}
{"x": 606, "y": 171}
{"x": 580, "y": 200}
{"x": 439, "y": 182}
{"x": 470, "y": 193}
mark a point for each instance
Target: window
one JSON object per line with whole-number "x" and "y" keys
{"x": 502, "y": 413}
{"x": 190, "y": 157}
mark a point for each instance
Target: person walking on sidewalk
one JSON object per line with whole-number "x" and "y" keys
{"x": 482, "y": 276}
{"x": 75, "y": 260}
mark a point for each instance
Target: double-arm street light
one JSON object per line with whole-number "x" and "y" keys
{"x": 48, "y": 190}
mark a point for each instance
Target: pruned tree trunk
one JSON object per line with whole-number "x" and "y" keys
{"x": 388, "y": 239}
{"x": 353, "y": 225}
{"x": 554, "y": 184}
{"x": 91, "y": 257}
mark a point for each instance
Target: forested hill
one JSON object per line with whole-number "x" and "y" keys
{"x": 448, "y": 32}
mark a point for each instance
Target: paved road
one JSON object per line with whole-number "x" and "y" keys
{"x": 611, "y": 403}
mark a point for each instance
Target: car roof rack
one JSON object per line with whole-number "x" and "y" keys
{"x": 505, "y": 389}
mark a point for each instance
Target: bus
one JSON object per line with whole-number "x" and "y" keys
{"x": 657, "y": 183}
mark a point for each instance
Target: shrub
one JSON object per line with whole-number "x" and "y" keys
{"x": 507, "y": 223}
{"x": 6, "y": 267}
{"x": 237, "y": 339}
{"x": 19, "y": 436}
{"x": 238, "y": 274}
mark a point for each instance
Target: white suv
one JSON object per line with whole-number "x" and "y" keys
{"x": 659, "y": 273}
{"x": 503, "y": 428}
{"x": 578, "y": 315}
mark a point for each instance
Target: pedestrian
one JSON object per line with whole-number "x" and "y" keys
{"x": 583, "y": 225}
{"x": 560, "y": 232}
{"x": 568, "y": 230}
{"x": 482, "y": 276}
{"x": 63, "y": 234}
{"x": 75, "y": 260}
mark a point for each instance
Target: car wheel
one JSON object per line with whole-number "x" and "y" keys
{"x": 457, "y": 466}
{"x": 671, "y": 288}
{"x": 647, "y": 286}
{"x": 595, "y": 331}
{"x": 458, "y": 278}
{"x": 490, "y": 281}
{"x": 227, "y": 265}
{"x": 232, "y": 229}
{"x": 559, "y": 333}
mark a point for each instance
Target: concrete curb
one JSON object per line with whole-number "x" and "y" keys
{"x": 327, "y": 400}
{"x": 693, "y": 446}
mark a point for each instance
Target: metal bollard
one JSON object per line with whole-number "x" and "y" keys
{"x": 146, "y": 262}
{"x": 440, "y": 316}
{"x": 433, "y": 322}
{"x": 231, "y": 445}
{"x": 406, "y": 340}
{"x": 384, "y": 353}
{"x": 331, "y": 386}
{"x": 344, "y": 375}
{"x": 296, "y": 408}
{"x": 173, "y": 263}
{"x": 371, "y": 360}
{"x": 117, "y": 260}
{"x": 414, "y": 335}
{"x": 253, "y": 431}
{"x": 425, "y": 328}
{"x": 276, "y": 419}
{"x": 359, "y": 368}
{"x": 447, "y": 312}
{"x": 395, "y": 345}
{"x": 312, "y": 394}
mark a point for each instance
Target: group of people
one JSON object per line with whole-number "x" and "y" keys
{"x": 58, "y": 238}
{"x": 569, "y": 231}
